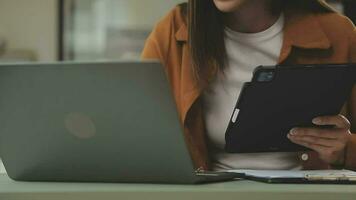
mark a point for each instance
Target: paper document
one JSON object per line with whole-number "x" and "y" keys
{"x": 308, "y": 174}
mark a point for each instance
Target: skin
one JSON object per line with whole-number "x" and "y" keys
{"x": 331, "y": 143}
{"x": 240, "y": 13}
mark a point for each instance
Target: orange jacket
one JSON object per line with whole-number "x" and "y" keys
{"x": 309, "y": 39}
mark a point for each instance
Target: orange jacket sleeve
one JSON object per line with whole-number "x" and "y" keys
{"x": 158, "y": 43}
{"x": 151, "y": 50}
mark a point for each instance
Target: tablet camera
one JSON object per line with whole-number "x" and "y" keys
{"x": 265, "y": 76}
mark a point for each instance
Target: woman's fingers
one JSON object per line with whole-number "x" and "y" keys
{"x": 318, "y": 148}
{"x": 330, "y": 154}
{"x": 340, "y": 135}
{"x": 339, "y": 121}
{"x": 316, "y": 132}
{"x": 328, "y": 143}
{"x": 319, "y": 141}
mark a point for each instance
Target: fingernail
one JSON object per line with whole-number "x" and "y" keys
{"x": 316, "y": 121}
{"x": 293, "y": 132}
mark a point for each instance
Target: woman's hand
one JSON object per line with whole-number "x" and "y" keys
{"x": 329, "y": 143}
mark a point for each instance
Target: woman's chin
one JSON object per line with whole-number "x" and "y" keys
{"x": 228, "y": 5}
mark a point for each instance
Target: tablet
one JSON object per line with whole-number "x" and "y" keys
{"x": 283, "y": 97}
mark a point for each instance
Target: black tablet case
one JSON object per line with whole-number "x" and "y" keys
{"x": 267, "y": 111}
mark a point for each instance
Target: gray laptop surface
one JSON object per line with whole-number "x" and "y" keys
{"x": 93, "y": 122}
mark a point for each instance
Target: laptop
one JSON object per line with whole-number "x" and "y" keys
{"x": 93, "y": 122}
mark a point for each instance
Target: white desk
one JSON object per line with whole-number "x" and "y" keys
{"x": 244, "y": 190}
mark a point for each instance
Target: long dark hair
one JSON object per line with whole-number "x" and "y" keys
{"x": 206, "y": 31}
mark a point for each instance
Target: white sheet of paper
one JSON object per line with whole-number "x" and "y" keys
{"x": 296, "y": 174}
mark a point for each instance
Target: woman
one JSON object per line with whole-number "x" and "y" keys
{"x": 210, "y": 47}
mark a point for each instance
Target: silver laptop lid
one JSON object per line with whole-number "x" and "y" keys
{"x": 111, "y": 122}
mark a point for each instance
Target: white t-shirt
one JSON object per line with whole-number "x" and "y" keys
{"x": 245, "y": 51}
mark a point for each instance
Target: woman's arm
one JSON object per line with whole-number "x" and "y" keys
{"x": 353, "y": 96}
{"x": 151, "y": 50}
{"x": 352, "y": 110}
{"x": 350, "y": 155}
{"x": 335, "y": 146}
{"x": 158, "y": 42}
{"x": 350, "y": 161}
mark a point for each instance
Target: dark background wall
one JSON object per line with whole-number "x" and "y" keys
{"x": 350, "y": 9}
